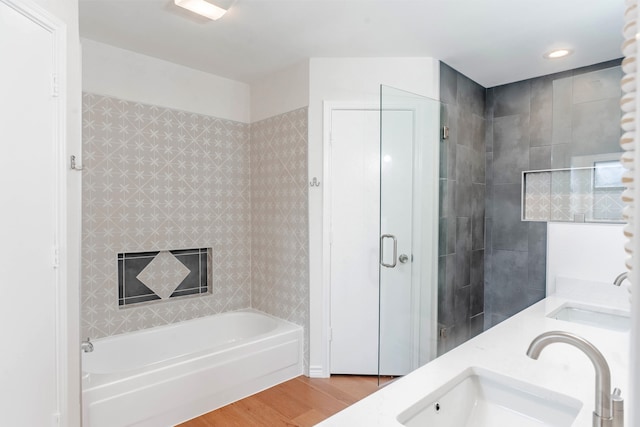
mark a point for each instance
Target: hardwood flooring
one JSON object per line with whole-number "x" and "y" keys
{"x": 300, "y": 402}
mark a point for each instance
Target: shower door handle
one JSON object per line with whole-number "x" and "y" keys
{"x": 395, "y": 250}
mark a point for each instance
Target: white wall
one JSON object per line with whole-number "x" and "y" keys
{"x": 354, "y": 80}
{"x": 108, "y": 70}
{"x": 587, "y": 252}
{"x": 281, "y": 92}
{"x": 67, "y": 12}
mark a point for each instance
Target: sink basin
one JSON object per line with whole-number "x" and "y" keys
{"x": 616, "y": 320}
{"x": 479, "y": 398}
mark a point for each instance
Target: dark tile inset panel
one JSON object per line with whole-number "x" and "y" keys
{"x": 509, "y": 231}
{"x": 510, "y": 148}
{"x": 194, "y": 266}
{"x": 197, "y": 282}
{"x": 512, "y": 99}
{"x": 130, "y": 289}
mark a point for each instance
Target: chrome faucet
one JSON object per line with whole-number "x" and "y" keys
{"x": 86, "y": 346}
{"x": 618, "y": 280}
{"x": 609, "y": 411}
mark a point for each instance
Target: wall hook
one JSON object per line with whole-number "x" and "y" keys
{"x": 314, "y": 182}
{"x": 74, "y": 166}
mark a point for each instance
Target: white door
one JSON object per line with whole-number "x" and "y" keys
{"x": 28, "y": 383}
{"x": 355, "y": 224}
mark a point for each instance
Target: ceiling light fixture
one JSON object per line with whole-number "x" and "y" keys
{"x": 558, "y": 53}
{"x": 206, "y": 8}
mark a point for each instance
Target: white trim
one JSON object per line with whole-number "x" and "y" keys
{"x": 58, "y": 30}
{"x": 317, "y": 371}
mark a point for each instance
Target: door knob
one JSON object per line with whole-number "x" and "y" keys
{"x": 403, "y": 258}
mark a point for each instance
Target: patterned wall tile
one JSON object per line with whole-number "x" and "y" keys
{"x": 160, "y": 179}
{"x": 279, "y": 251}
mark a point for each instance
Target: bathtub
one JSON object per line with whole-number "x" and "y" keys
{"x": 165, "y": 375}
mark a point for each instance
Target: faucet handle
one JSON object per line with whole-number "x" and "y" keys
{"x": 617, "y": 407}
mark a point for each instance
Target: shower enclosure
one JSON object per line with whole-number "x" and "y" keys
{"x": 409, "y": 158}
{"x": 382, "y": 198}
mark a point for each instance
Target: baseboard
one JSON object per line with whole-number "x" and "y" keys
{"x": 318, "y": 371}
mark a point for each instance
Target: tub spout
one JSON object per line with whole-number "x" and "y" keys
{"x": 620, "y": 278}
{"x": 86, "y": 346}
{"x": 604, "y": 414}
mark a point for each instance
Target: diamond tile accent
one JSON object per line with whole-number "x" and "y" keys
{"x": 164, "y": 274}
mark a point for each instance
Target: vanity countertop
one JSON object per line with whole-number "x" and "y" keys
{"x": 501, "y": 349}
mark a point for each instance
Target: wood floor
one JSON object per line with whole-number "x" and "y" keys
{"x": 301, "y": 402}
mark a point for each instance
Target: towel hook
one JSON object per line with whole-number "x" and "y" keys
{"x": 314, "y": 182}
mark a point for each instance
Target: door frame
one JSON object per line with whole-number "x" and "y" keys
{"x": 64, "y": 311}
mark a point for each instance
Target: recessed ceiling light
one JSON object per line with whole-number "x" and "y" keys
{"x": 558, "y": 53}
{"x": 205, "y": 8}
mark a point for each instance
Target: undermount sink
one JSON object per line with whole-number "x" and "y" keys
{"x": 479, "y": 398}
{"x": 615, "y": 320}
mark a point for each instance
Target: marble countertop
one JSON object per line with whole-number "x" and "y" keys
{"x": 501, "y": 349}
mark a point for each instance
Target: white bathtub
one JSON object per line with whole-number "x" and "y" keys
{"x": 162, "y": 376}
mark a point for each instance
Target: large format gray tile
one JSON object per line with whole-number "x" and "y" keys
{"x": 510, "y": 271}
{"x": 470, "y": 95}
{"x": 540, "y": 158}
{"x": 446, "y": 269}
{"x": 476, "y": 325}
{"x": 560, "y": 156}
{"x": 463, "y": 181}
{"x": 489, "y": 184}
{"x": 448, "y": 84}
{"x": 477, "y": 283}
{"x": 510, "y": 148}
{"x": 461, "y": 315}
{"x": 537, "y": 256}
{"x": 596, "y": 127}
{"x": 509, "y": 231}
{"x": 541, "y": 119}
{"x": 562, "y": 110}
{"x": 477, "y": 216}
{"x": 597, "y": 85}
{"x": 463, "y": 252}
{"x": 511, "y": 99}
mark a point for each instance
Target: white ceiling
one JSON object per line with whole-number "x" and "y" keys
{"x": 492, "y": 41}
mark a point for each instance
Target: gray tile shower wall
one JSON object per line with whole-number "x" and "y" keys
{"x": 279, "y": 219}
{"x": 531, "y": 125}
{"x": 462, "y": 210}
{"x": 160, "y": 179}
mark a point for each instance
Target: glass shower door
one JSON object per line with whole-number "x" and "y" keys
{"x": 409, "y": 142}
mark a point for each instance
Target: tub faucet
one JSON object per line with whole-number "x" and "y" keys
{"x": 609, "y": 411}
{"x": 86, "y": 346}
{"x": 618, "y": 280}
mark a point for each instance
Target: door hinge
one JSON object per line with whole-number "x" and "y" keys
{"x": 55, "y": 420}
{"x": 445, "y": 132}
{"x": 330, "y": 334}
{"x": 56, "y": 257}
{"x": 55, "y": 88}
